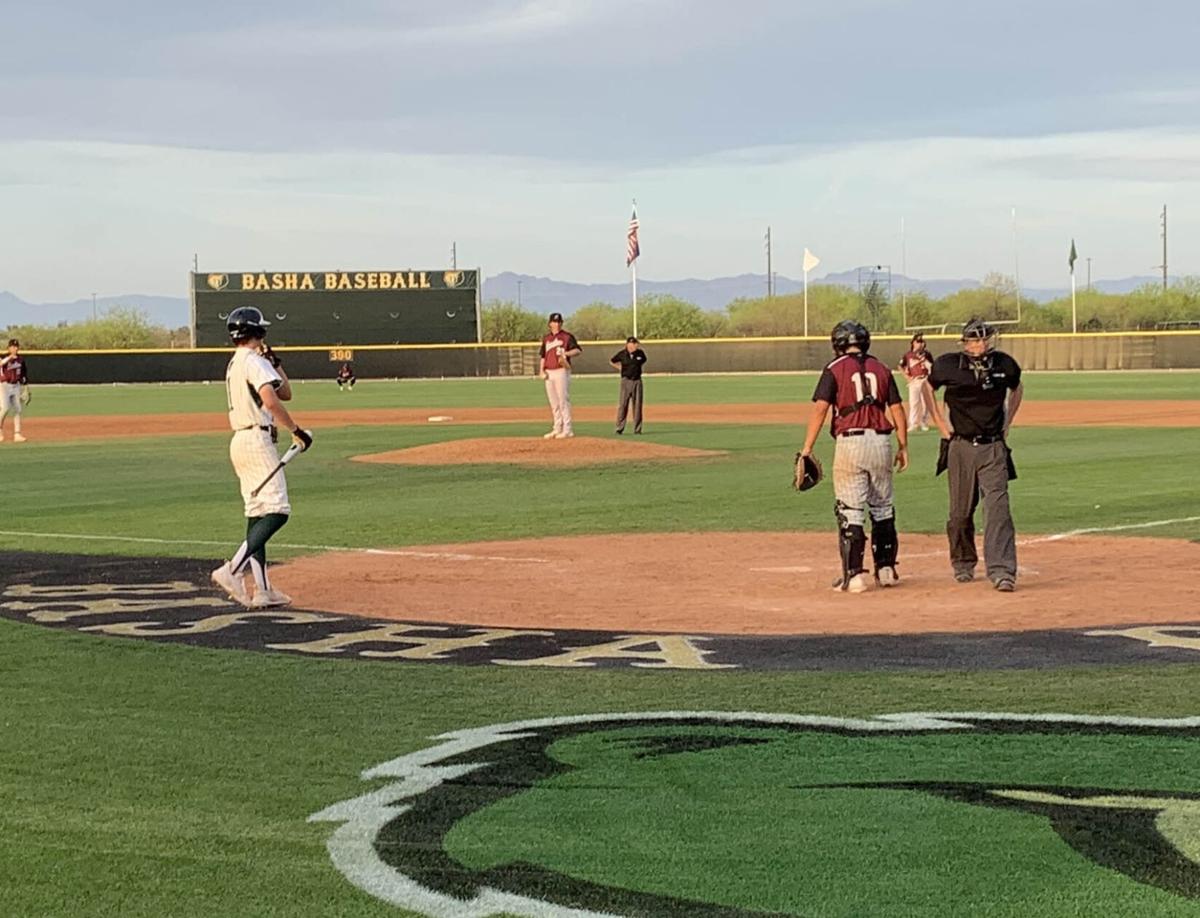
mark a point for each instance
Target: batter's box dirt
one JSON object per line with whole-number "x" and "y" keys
{"x": 718, "y": 601}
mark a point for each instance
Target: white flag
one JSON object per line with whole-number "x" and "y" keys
{"x": 810, "y": 260}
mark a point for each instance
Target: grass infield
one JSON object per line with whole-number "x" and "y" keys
{"x": 149, "y": 779}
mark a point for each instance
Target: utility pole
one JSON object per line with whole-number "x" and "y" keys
{"x": 1164, "y": 239}
{"x": 195, "y": 262}
{"x": 93, "y": 307}
{"x": 1089, "y": 279}
{"x": 454, "y": 256}
{"x": 518, "y": 294}
{"x": 770, "y": 282}
{"x": 1016, "y": 263}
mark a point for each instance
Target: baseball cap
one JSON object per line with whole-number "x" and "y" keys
{"x": 555, "y": 317}
{"x": 632, "y": 340}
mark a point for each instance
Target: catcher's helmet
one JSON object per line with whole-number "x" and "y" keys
{"x": 246, "y": 322}
{"x": 847, "y": 334}
{"x": 979, "y": 330}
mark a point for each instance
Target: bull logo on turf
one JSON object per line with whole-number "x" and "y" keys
{"x": 724, "y": 814}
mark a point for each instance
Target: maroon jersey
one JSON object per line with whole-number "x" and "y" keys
{"x": 859, "y": 388}
{"x": 916, "y": 365}
{"x": 550, "y": 346}
{"x": 13, "y": 372}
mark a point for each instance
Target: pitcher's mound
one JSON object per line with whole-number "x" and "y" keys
{"x": 576, "y": 451}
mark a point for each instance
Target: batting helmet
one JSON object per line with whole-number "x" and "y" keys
{"x": 246, "y": 322}
{"x": 979, "y": 330}
{"x": 847, "y": 334}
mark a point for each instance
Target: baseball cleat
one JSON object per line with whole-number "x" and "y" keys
{"x": 550, "y": 436}
{"x": 1005, "y": 585}
{"x": 565, "y": 435}
{"x": 964, "y": 577}
{"x": 231, "y": 584}
{"x": 887, "y": 577}
{"x": 17, "y": 438}
{"x": 858, "y": 584}
{"x": 265, "y": 599}
{"x": 1, "y": 436}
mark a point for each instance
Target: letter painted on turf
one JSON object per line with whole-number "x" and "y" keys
{"x": 651, "y": 651}
{"x": 1181, "y": 637}
{"x": 424, "y": 646}
{"x": 208, "y": 625}
{"x": 51, "y": 611}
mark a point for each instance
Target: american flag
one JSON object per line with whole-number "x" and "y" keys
{"x": 632, "y": 249}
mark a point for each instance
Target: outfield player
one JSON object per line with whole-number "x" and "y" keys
{"x": 916, "y": 365}
{"x": 866, "y": 409}
{"x": 256, "y": 387}
{"x": 983, "y": 392}
{"x": 14, "y": 391}
{"x": 346, "y": 378}
{"x": 554, "y": 366}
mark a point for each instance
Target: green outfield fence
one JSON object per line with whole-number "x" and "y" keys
{"x": 1097, "y": 351}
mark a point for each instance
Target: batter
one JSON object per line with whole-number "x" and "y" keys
{"x": 866, "y": 409}
{"x": 256, "y": 387}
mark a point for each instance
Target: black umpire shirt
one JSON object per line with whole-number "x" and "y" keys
{"x": 976, "y": 390}
{"x": 631, "y": 364}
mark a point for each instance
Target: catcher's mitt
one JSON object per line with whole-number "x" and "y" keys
{"x": 26, "y": 396}
{"x": 807, "y": 472}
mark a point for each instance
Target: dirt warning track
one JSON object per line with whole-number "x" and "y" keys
{"x": 1156, "y": 413}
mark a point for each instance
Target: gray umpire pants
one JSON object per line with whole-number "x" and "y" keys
{"x": 975, "y": 473}
{"x": 631, "y": 392}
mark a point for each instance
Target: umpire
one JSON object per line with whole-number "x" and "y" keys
{"x": 983, "y": 392}
{"x": 630, "y": 361}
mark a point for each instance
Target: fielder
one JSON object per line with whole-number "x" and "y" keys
{"x": 866, "y": 409}
{"x": 983, "y": 392}
{"x": 14, "y": 388}
{"x": 256, "y": 387}
{"x": 554, "y": 366}
{"x": 916, "y": 365}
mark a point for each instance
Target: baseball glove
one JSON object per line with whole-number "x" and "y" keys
{"x": 271, "y": 356}
{"x": 26, "y": 396}
{"x": 806, "y": 473}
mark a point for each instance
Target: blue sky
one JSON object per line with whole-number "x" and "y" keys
{"x": 311, "y": 135}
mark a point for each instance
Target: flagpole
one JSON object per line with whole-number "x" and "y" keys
{"x": 806, "y": 303}
{"x": 633, "y": 280}
{"x": 1073, "y": 326}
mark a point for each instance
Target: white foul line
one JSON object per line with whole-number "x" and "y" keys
{"x": 398, "y": 553}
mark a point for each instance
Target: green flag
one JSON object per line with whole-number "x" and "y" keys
{"x": 1071, "y": 258}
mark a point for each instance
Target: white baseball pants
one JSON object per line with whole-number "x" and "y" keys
{"x": 253, "y": 456}
{"x": 862, "y": 476}
{"x": 558, "y": 392}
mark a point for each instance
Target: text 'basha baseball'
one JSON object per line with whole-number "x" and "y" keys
{"x": 339, "y": 280}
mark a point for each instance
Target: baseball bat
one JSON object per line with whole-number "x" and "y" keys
{"x": 292, "y": 452}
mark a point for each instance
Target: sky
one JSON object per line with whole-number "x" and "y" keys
{"x": 313, "y": 136}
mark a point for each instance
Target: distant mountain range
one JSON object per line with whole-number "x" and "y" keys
{"x": 544, "y": 294}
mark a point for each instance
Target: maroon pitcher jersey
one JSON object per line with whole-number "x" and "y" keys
{"x": 847, "y": 382}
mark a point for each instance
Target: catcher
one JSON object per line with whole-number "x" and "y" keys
{"x": 866, "y": 409}
{"x": 14, "y": 389}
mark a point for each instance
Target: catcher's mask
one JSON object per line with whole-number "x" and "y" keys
{"x": 847, "y": 334}
{"x": 979, "y": 330}
{"x": 246, "y": 322}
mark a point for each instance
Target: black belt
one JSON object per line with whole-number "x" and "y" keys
{"x": 981, "y": 441}
{"x": 861, "y": 431}
{"x": 256, "y": 427}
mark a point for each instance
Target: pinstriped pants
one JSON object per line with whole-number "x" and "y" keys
{"x": 862, "y": 476}
{"x": 253, "y": 456}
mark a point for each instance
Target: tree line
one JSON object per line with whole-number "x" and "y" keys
{"x": 884, "y": 312}
{"x": 116, "y": 327}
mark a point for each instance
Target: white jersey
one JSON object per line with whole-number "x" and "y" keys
{"x": 248, "y": 372}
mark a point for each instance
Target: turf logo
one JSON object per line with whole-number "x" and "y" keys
{"x": 723, "y": 814}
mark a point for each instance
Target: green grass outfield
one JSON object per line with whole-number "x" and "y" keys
{"x": 509, "y": 392}
{"x": 143, "y": 779}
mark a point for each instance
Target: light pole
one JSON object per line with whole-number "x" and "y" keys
{"x": 93, "y": 307}
{"x": 1089, "y": 283}
{"x": 518, "y": 294}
